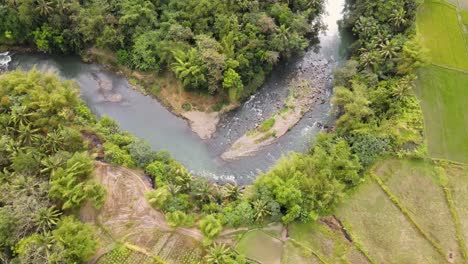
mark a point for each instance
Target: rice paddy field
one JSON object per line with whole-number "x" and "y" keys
{"x": 442, "y": 86}
{"x": 408, "y": 211}
{"x": 441, "y": 32}
{"x": 444, "y": 101}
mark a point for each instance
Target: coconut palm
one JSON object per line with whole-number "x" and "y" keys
{"x": 260, "y": 209}
{"x": 44, "y": 7}
{"x": 189, "y": 69}
{"x": 46, "y": 218}
{"x": 27, "y": 135}
{"x": 397, "y": 18}
{"x": 389, "y": 49}
{"x": 218, "y": 254}
{"x": 231, "y": 191}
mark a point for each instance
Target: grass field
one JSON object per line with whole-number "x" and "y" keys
{"x": 401, "y": 215}
{"x": 442, "y": 86}
{"x": 261, "y": 247}
{"x": 441, "y": 33}
{"x": 444, "y": 96}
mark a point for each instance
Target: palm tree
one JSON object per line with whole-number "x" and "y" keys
{"x": 402, "y": 89}
{"x": 261, "y": 209}
{"x": 231, "y": 191}
{"x": 46, "y": 218}
{"x": 397, "y": 18}
{"x": 189, "y": 69}
{"x": 283, "y": 33}
{"x": 52, "y": 142}
{"x": 44, "y": 7}
{"x": 19, "y": 115}
{"x": 173, "y": 189}
{"x": 62, "y": 6}
{"x": 218, "y": 254}
{"x": 389, "y": 49}
{"x": 27, "y": 135}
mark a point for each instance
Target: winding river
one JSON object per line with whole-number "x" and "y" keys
{"x": 146, "y": 118}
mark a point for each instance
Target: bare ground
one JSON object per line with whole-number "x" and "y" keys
{"x": 202, "y": 123}
{"x": 126, "y": 216}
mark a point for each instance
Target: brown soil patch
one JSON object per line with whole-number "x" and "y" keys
{"x": 125, "y": 208}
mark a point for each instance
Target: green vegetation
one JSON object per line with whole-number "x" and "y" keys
{"x": 45, "y": 170}
{"x": 441, "y": 32}
{"x": 267, "y": 125}
{"x": 219, "y": 47}
{"x": 443, "y": 99}
{"x": 441, "y": 88}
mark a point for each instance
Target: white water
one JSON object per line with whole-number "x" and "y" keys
{"x": 5, "y": 58}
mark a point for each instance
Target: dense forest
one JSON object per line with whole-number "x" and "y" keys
{"x": 48, "y": 135}
{"x": 225, "y": 46}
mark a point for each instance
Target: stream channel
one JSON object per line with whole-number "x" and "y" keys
{"x": 146, "y": 118}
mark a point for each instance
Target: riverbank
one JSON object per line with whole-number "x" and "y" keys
{"x": 307, "y": 89}
{"x": 199, "y": 109}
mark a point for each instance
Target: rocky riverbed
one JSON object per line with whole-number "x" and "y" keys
{"x": 306, "y": 89}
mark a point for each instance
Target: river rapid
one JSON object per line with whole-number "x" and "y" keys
{"x": 146, "y": 118}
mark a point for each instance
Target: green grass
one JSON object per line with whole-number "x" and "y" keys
{"x": 259, "y": 246}
{"x": 267, "y": 124}
{"x": 443, "y": 95}
{"x": 441, "y": 33}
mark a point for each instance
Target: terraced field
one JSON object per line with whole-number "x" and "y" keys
{"x": 442, "y": 86}
{"x": 409, "y": 211}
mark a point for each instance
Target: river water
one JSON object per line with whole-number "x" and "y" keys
{"x": 146, "y": 118}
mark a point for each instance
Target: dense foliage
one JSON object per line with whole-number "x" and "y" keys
{"x": 44, "y": 170}
{"x": 217, "y": 46}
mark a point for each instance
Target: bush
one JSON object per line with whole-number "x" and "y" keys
{"x": 187, "y": 107}
{"x": 179, "y": 218}
{"x": 141, "y": 152}
{"x": 368, "y": 147}
{"x": 117, "y": 156}
{"x": 158, "y": 171}
{"x": 210, "y": 227}
{"x": 236, "y": 215}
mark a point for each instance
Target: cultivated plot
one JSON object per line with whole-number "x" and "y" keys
{"x": 444, "y": 96}
{"x": 442, "y": 34}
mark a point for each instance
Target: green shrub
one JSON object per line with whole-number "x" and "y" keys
{"x": 141, "y": 152}
{"x": 115, "y": 155}
{"x": 187, "y": 107}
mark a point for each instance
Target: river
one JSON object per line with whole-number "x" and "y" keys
{"x": 146, "y": 118}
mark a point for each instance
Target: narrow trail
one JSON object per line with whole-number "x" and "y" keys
{"x": 449, "y": 68}
{"x": 446, "y": 187}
